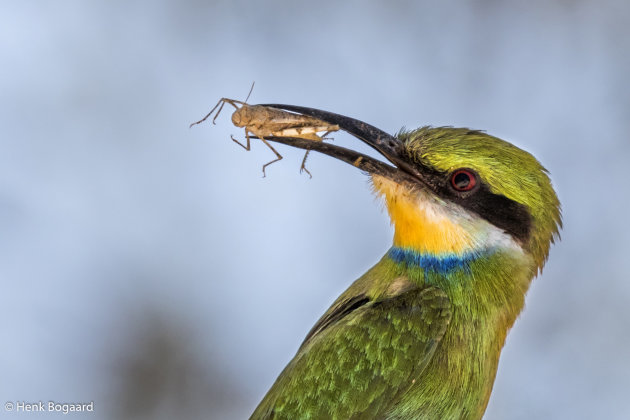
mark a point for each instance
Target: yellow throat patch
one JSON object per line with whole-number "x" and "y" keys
{"x": 419, "y": 222}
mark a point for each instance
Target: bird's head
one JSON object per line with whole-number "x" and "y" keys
{"x": 453, "y": 190}
{"x": 473, "y": 192}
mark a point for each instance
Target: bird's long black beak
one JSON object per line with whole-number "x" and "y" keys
{"x": 387, "y": 145}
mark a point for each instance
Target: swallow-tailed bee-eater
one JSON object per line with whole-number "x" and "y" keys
{"x": 419, "y": 335}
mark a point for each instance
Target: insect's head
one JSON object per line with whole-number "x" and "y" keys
{"x": 243, "y": 116}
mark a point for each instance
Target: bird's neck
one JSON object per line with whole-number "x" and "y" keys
{"x": 442, "y": 263}
{"x": 489, "y": 277}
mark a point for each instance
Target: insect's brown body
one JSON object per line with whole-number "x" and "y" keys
{"x": 264, "y": 121}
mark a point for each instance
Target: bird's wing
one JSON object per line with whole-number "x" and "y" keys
{"x": 360, "y": 356}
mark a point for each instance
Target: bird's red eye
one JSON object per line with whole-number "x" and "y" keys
{"x": 463, "y": 180}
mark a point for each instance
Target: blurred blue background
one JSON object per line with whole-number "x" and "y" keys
{"x": 148, "y": 267}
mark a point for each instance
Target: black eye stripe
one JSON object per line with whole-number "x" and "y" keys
{"x": 509, "y": 215}
{"x": 506, "y": 214}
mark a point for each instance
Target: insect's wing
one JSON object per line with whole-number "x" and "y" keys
{"x": 285, "y": 119}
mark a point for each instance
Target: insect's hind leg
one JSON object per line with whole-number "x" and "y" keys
{"x": 303, "y": 166}
{"x": 318, "y": 138}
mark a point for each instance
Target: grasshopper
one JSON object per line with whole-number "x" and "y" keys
{"x": 264, "y": 121}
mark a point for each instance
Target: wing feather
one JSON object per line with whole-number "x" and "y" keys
{"x": 360, "y": 357}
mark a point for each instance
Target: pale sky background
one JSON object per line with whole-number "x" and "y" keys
{"x": 148, "y": 267}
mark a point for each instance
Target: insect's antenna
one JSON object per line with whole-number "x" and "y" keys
{"x": 250, "y": 91}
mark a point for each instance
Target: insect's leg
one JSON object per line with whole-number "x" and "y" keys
{"x": 279, "y": 156}
{"x": 248, "y": 148}
{"x": 314, "y": 137}
{"x": 221, "y": 102}
{"x": 323, "y": 136}
{"x": 303, "y": 166}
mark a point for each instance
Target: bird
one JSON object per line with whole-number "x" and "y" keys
{"x": 419, "y": 335}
